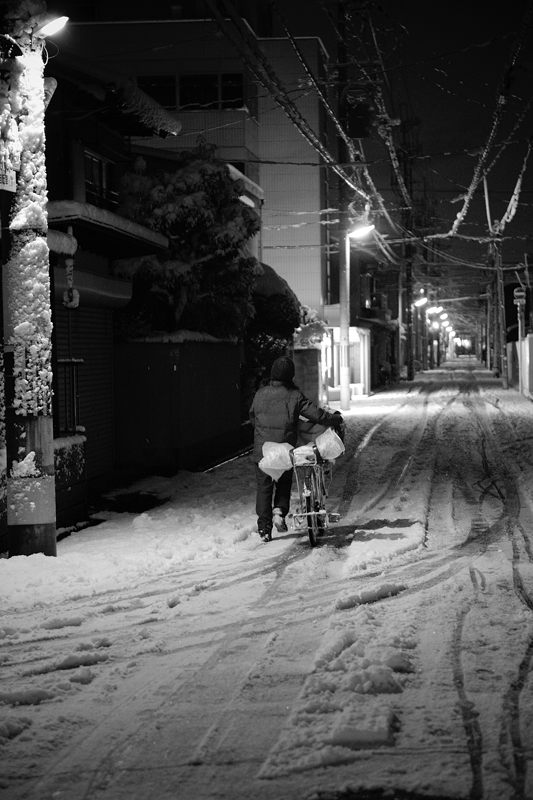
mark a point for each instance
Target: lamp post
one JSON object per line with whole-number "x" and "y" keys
{"x": 27, "y": 324}
{"x": 418, "y": 305}
{"x": 347, "y": 234}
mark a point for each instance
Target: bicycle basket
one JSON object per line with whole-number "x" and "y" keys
{"x": 304, "y": 456}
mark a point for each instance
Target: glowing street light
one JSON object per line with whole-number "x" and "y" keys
{"x": 51, "y": 27}
{"x": 360, "y": 232}
{"x": 420, "y": 302}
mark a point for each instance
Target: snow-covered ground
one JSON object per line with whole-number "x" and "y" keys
{"x": 172, "y": 654}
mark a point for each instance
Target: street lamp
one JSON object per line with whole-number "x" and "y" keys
{"x": 359, "y": 232}
{"x": 51, "y": 27}
{"x": 27, "y": 327}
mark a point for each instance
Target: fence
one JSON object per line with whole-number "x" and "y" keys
{"x": 177, "y": 404}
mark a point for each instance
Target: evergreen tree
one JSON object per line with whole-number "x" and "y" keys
{"x": 205, "y": 281}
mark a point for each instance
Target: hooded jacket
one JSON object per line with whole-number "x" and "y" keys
{"x": 275, "y": 411}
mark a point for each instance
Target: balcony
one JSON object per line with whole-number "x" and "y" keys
{"x": 233, "y": 130}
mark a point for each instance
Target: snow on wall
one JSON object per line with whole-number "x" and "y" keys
{"x": 29, "y": 324}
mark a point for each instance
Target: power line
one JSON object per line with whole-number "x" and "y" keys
{"x": 263, "y": 71}
{"x": 498, "y": 113}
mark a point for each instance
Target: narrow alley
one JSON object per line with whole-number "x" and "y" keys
{"x": 392, "y": 660}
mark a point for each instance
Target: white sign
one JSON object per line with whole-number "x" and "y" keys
{"x": 519, "y": 292}
{"x": 8, "y": 180}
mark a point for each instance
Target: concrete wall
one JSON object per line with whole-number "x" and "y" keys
{"x": 293, "y": 236}
{"x": 520, "y": 365}
{"x": 308, "y": 378}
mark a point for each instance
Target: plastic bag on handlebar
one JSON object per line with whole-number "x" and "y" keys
{"x": 276, "y": 459}
{"x": 330, "y": 445}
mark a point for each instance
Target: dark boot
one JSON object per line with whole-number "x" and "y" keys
{"x": 265, "y": 534}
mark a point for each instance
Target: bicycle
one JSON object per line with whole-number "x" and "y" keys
{"x": 313, "y": 476}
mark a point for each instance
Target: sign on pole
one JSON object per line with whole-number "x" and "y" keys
{"x": 8, "y": 180}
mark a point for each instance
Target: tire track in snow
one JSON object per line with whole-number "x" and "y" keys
{"x": 400, "y": 464}
{"x": 504, "y": 484}
{"x": 468, "y": 711}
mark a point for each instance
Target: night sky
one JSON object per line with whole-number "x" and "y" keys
{"x": 444, "y": 68}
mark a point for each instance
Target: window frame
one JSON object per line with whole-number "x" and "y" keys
{"x": 102, "y": 192}
{"x": 221, "y": 82}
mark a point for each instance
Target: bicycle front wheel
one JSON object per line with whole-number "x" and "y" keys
{"x": 311, "y": 507}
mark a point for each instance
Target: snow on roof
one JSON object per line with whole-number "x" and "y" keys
{"x": 134, "y": 101}
{"x": 253, "y": 188}
{"x": 63, "y": 243}
{"x": 131, "y": 99}
{"x": 179, "y": 337}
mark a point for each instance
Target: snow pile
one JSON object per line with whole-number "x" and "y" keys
{"x": 401, "y": 676}
{"x": 379, "y": 546}
{"x": 207, "y": 516}
{"x": 347, "y": 702}
{"x": 25, "y": 468}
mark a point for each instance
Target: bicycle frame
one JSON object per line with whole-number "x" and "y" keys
{"x": 312, "y": 482}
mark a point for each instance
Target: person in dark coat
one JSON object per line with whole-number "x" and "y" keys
{"x": 274, "y": 415}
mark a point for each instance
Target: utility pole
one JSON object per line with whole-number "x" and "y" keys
{"x": 26, "y": 289}
{"x": 519, "y": 300}
{"x": 406, "y": 162}
{"x": 344, "y": 222}
{"x": 500, "y": 313}
{"x": 488, "y": 327}
{"x": 408, "y": 254}
{"x": 495, "y": 262}
{"x": 400, "y": 346}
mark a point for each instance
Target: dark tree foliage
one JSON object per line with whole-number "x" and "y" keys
{"x": 268, "y": 335}
{"x": 277, "y": 315}
{"x": 205, "y": 282}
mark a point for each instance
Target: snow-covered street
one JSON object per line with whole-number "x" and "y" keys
{"x": 172, "y": 654}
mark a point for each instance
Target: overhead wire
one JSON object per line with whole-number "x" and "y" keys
{"x": 496, "y": 119}
{"x": 308, "y": 71}
{"x": 357, "y": 158}
{"x": 384, "y": 129}
{"x": 368, "y": 177}
{"x": 513, "y": 202}
{"x": 265, "y": 74}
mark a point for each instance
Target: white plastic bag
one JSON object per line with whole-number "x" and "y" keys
{"x": 276, "y": 459}
{"x": 330, "y": 445}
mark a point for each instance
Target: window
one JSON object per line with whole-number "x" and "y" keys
{"x": 231, "y": 91}
{"x": 211, "y": 91}
{"x": 66, "y": 396}
{"x": 100, "y": 181}
{"x": 161, "y": 88}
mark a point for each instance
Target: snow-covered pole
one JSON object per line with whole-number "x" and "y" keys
{"x": 31, "y": 515}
